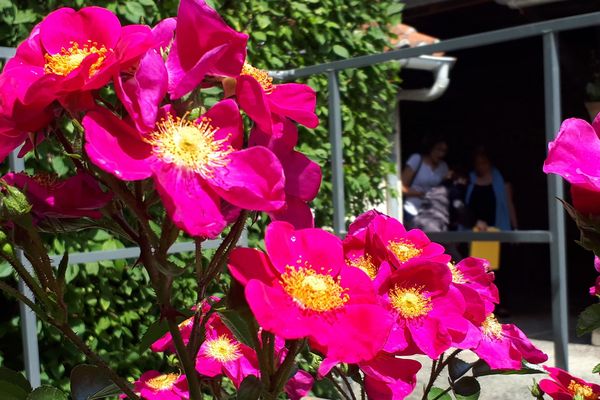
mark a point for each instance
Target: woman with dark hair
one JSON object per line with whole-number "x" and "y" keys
{"x": 423, "y": 172}
{"x": 489, "y": 196}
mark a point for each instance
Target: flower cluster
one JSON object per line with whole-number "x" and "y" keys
{"x": 392, "y": 293}
{"x": 221, "y": 355}
{"x": 202, "y": 167}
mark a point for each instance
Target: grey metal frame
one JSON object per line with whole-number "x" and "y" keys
{"x": 555, "y": 236}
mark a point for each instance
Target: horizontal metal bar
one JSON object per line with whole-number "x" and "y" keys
{"x": 128, "y": 252}
{"x": 505, "y": 237}
{"x": 460, "y": 43}
{"x": 7, "y": 52}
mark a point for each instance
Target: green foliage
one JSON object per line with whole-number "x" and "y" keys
{"x": 111, "y": 303}
{"x": 47, "y": 393}
{"x": 438, "y": 394}
{"x": 289, "y": 34}
{"x": 589, "y": 320}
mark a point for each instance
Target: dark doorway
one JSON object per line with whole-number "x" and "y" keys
{"x": 496, "y": 99}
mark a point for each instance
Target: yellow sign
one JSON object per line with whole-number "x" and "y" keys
{"x": 488, "y": 250}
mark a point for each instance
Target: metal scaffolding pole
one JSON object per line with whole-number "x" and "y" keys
{"x": 337, "y": 153}
{"x": 556, "y": 217}
{"x": 31, "y": 355}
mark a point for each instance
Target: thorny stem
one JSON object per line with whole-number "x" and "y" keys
{"x": 212, "y": 271}
{"x": 117, "y": 186}
{"x": 280, "y": 377}
{"x": 11, "y": 291}
{"x": 268, "y": 341}
{"x": 346, "y": 382}
{"x": 68, "y": 148}
{"x": 443, "y": 364}
{"x": 96, "y": 359}
{"x": 228, "y": 243}
{"x": 432, "y": 377}
{"x": 363, "y": 393}
{"x": 125, "y": 226}
{"x": 26, "y": 276}
{"x": 338, "y": 387}
{"x": 436, "y": 369}
{"x": 262, "y": 361}
{"x": 37, "y": 255}
{"x": 186, "y": 362}
{"x": 198, "y": 266}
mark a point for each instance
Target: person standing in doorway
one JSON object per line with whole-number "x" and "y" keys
{"x": 423, "y": 172}
{"x": 490, "y": 202}
{"x": 489, "y": 196}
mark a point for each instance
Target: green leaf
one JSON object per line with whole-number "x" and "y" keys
{"x": 47, "y": 393}
{"x": 87, "y": 380}
{"x": 466, "y": 388}
{"x": 340, "y": 51}
{"x": 14, "y": 377}
{"x": 104, "y": 303}
{"x": 259, "y": 36}
{"x": 5, "y": 269}
{"x": 395, "y": 8}
{"x": 154, "y": 332}
{"x": 250, "y": 389}
{"x": 481, "y": 368}
{"x": 12, "y": 391}
{"x": 589, "y": 319}
{"x": 596, "y": 369}
{"x": 457, "y": 368}
{"x": 238, "y": 325}
{"x": 62, "y": 267}
{"x": 71, "y": 272}
{"x": 436, "y": 394}
{"x": 263, "y": 21}
{"x": 112, "y": 390}
{"x": 134, "y": 11}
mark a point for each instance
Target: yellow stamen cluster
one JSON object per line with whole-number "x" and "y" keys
{"x": 263, "y": 78}
{"x": 365, "y": 263}
{"x": 67, "y": 60}
{"x": 457, "y": 275}
{"x": 162, "y": 382}
{"x": 46, "y": 179}
{"x": 583, "y": 391}
{"x": 186, "y": 323}
{"x": 491, "y": 327}
{"x": 404, "y": 250}
{"x": 222, "y": 349}
{"x": 410, "y": 302}
{"x": 190, "y": 145}
{"x": 313, "y": 291}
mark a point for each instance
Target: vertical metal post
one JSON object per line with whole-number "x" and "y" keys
{"x": 556, "y": 217}
{"x": 31, "y": 355}
{"x": 394, "y": 191}
{"x": 337, "y": 155}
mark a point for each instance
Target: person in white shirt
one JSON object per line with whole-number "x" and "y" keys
{"x": 421, "y": 173}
